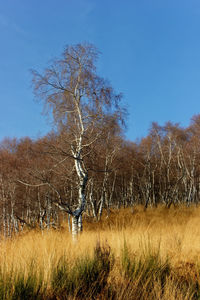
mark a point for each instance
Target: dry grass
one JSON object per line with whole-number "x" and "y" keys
{"x": 175, "y": 232}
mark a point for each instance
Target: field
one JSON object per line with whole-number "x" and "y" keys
{"x": 132, "y": 254}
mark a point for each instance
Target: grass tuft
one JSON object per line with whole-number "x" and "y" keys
{"x": 86, "y": 278}
{"x": 144, "y": 270}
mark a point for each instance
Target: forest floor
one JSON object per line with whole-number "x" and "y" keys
{"x": 130, "y": 254}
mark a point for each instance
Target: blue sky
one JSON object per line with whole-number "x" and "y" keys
{"x": 150, "y": 52}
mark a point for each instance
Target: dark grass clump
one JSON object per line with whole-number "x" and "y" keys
{"x": 29, "y": 287}
{"x": 144, "y": 271}
{"x": 86, "y": 279}
{"x": 6, "y": 286}
{"x": 15, "y": 285}
{"x": 187, "y": 276}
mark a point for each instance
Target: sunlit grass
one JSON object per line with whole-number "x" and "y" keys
{"x": 163, "y": 255}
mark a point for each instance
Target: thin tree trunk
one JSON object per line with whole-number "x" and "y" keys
{"x": 69, "y": 223}
{"x": 80, "y": 224}
{"x": 74, "y": 228}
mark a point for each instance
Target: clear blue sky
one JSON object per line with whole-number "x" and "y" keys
{"x": 150, "y": 53}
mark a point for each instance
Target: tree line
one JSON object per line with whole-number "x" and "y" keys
{"x": 85, "y": 164}
{"x": 38, "y": 180}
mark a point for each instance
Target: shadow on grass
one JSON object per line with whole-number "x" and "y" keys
{"x": 86, "y": 279}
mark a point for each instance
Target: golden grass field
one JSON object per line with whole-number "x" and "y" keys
{"x": 173, "y": 233}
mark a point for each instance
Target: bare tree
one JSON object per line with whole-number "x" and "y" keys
{"x": 81, "y": 103}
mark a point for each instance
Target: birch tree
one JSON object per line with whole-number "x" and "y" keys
{"x": 81, "y": 102}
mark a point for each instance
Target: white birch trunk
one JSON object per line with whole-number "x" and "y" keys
{"x": 16, "y": 226}
{"x": 74, "y": 228}
{"x": 77, "y": 225}
{"x": 69, "y": 223}
{"x": 104, "y": 193}
{"x": 4, "y": 220}
{"x": 48, "y": 212}
{"x": 80, "y": 224}
{"x": 8, "y": 226}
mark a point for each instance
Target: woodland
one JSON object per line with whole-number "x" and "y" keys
{"x": 85, "y": 164}
{"x": 163, "y": 168}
